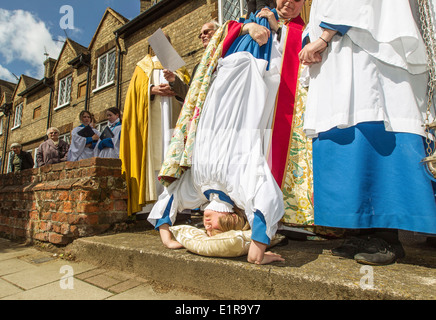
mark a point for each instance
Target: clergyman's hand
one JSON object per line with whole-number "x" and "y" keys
{"x": 162, "y": 90}
{"x": 259, "y": 33}
{"x": 169, "y": 75}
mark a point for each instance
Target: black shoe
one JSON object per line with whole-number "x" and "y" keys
{"x": 379, "y": 253}
{"x": 350, "y": 247}
{"x": 431, "y": 241}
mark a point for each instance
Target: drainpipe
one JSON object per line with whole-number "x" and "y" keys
{"x": 48, "y": 83}
{"x": 120, "y": 55}
{"x": 85, "y": 62}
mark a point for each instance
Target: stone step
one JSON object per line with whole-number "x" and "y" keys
{"x": 308, "y": 272}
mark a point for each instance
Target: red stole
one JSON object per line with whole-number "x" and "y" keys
{"x": 284, "y": 109}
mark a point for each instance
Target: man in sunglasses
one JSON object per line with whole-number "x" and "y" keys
{"x": 206, "y": 33}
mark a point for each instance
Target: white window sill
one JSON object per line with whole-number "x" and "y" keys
{"x": 16, "y": 127}
{"x": 62, "y": 106}
{"x": 104, "y": 86}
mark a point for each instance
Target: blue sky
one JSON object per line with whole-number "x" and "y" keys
{"x": 28, "y": 28}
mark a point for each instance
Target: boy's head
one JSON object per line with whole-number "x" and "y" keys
{"x": 217, "y": 219}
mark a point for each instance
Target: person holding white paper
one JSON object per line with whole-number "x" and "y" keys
{"x": 150, "y": 112}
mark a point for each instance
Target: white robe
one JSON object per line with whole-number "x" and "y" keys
{"x": 110, "y": 152}
{"x": 380, "y": 64}
{"x": 78, "y": 149}
{"x": 229, "y": 148}
{"x": 168, "y": 117}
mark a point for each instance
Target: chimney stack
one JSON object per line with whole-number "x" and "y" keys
{"x": 146, "y": 4}
{"x": 48, "y": 67}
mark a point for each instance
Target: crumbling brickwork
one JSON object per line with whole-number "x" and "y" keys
{"x": 61, "y": 202}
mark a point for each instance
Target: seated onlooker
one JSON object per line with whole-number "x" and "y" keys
{"x": 21, "y": 160}
{"x": 53, "y": 150}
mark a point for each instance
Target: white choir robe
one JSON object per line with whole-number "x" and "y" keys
{"x": 78, "y": 149}
{"x": 110, "y": 152}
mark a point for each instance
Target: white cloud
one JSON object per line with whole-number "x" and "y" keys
{"x": 5, "y": 74}
{"x": 24, "y": 37}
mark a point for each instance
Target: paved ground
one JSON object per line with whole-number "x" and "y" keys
{"x": 28, "y": 273}
{"x": 135, "y": 265}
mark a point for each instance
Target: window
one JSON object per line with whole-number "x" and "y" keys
{"x": 1, "y": 127}
{"x": 64, "y": 91}
{"x": 17, "y": 117}
{"x": 81, "y": 90}
{"x": 33, "y": 151}
{"x": 106, "y": 69}
{"x": 66, "y": 137}
{"x": 36, "y": 113}
{"x": 231, "y": 10}
{"x": 9, "y": 165}
{"x": 101, "y": 126}
{"x": 35, "y": 164}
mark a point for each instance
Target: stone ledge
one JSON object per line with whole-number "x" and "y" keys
{"x": 309, "y": 271}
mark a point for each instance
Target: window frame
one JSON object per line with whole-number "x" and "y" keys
{"x": 66, "y": 137}
{"x": 221, "y": 14}
{"x": 101, "y": 125}
{"x": 108, "y": 82}
{"x": 67, "y": 100}
{"x": 18, "y": 115}
{"x": 8, "y": 165}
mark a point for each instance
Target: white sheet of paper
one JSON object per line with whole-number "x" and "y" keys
{"x": 167, "y": 55}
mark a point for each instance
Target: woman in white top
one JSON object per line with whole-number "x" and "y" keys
{"x": 82, "y": 147}
{"x": 110, "y": 147}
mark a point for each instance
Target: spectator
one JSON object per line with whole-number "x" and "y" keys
{"x": 53, "y": 150}
{"x": 21, "y": 160}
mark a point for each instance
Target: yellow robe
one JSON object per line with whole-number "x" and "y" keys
{"x": 136, "y": 147}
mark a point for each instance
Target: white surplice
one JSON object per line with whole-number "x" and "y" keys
{"x": 228, "y": 157}
{"x": 78, "y": 149}
{"x": 168, "y": 116}
{"x": 380, "y": 63}
{"x": 110, "y": 152}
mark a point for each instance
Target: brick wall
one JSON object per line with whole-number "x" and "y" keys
{"x": 62, "y": 202}
{"x": 32, "y": 124}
